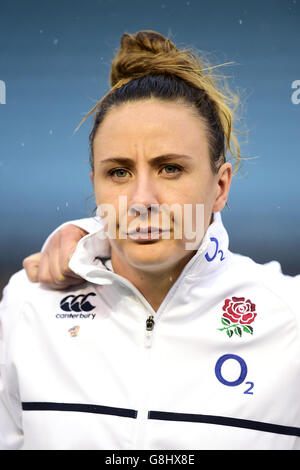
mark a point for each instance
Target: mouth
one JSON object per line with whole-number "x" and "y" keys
{"x": 146, "y": 233}
{"x": 145, "y": 230}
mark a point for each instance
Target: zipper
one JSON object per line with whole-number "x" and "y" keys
{"x": 149, "y": 331}
{"x": 145, "y": 370}
{"x": 144, "y": 384}
{"x": 184, "y": 274}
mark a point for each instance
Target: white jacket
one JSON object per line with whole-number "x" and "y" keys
{"x": 220, "y": 368}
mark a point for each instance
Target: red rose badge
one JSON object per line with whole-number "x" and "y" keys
{"x": 238, "y": 314}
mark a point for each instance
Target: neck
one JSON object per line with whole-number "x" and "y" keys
{"x": 153, "y": 285}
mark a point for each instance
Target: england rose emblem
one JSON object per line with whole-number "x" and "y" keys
{"x": 238, "y": 314}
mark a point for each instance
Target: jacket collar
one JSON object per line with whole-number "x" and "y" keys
{"x": 93, "y": 249}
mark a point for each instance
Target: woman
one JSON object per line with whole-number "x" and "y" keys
{"x": 164, "y": 345}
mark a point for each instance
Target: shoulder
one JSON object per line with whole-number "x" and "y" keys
{"x": 268, "y": 276}
{"x": 21, "y": 295}
{"x": 20, "y": 292}
{"x": 18, "y": 288}
{"x": 15, "y": 294}
{"x": 33, "y": 304}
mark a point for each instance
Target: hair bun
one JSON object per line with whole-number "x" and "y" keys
{"x": 146, "y": 40}
{"x": 136, "y": 52}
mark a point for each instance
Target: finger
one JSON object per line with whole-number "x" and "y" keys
{"x": 52, "y": 252}
{"x": 58, "y": 277}
{"x": 59, "y": 253}
{"x": 44, "y": 274}
{"x": 31, "y": 266}
{"x": 69, "y": 239}
{"x": 50, "y": 275}
{"x": 50, "y": 272}
{"x": 62, "y": 285}
{"x": 53, "y": 269}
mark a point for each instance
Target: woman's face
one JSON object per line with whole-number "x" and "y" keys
{"x": 161, "y": 157}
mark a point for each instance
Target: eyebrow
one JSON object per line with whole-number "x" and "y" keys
{"x": 153, "y": 161}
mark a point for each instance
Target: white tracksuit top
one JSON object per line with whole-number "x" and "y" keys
{"x": 219, "y": 368}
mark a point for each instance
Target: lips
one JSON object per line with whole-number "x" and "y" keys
{"x": 146, "y": 230}
{"x": 146, "y": 234}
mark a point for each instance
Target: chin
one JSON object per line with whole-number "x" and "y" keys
{"x": 148, "y": 254}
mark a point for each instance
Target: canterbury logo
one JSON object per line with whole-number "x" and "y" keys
{"x": 77, "y": 303}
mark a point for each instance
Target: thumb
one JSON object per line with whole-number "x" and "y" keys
{"x": 31, "y": 265}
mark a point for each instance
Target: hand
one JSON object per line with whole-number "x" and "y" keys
{"x": 51, "y": 266}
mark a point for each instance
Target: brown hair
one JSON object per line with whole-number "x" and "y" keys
{"x": 148, "y": 65}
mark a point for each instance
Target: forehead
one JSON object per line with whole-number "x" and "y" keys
{"x": 150, "y": 126}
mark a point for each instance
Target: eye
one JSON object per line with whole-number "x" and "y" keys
{"x": 121, "y": 173}
{"x": 172, "y": 168}
{"x": 112, "y": 172}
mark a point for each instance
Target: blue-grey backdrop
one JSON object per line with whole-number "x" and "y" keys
{"x": 54, "y": 65}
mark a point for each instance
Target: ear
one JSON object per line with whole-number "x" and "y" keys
{"x": 92, "y": 177}
{"x": 224, "y": 177}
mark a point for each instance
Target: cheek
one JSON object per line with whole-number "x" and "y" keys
{"x": 198, "y": 192}
{"x": 199, "y": 200}
{"x": 97, "y": 193}
{"x": 104, "y": 194}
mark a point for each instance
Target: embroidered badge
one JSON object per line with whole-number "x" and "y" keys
{"x": 74, "y": 331}
{"x": 77, "y": 303}
{"x": 238, "y": 314}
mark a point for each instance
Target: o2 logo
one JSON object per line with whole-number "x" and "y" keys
{"x": 240, "y": 379}
{"x": 217, "y": 251}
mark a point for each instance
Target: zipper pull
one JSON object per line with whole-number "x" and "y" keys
{"x": 149, "y": 328}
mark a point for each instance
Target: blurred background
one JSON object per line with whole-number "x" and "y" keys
{"x": 54, "y": 66}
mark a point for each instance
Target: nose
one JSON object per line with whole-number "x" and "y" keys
{"x": 144, "y": 196}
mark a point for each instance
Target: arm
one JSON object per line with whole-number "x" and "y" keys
{"x": 51, "y": 265}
